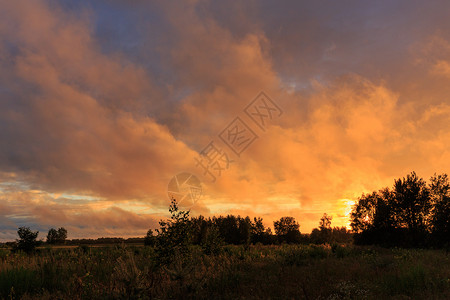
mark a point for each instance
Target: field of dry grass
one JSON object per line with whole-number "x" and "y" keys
{"x": 255, "y": 272}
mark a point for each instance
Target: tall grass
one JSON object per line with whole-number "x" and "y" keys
{"x": 255, "y": 272}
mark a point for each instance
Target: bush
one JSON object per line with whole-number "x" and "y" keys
{"x": 27, "y": 241}
{"x": 174, "y": 237}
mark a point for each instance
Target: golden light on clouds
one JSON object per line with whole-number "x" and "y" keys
{"x": 102, "y": 103}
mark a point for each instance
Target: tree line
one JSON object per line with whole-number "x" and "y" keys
{"x": 412, "y": 213}
{"x": 212, "y": 232}
{"x": 27, "y": 240}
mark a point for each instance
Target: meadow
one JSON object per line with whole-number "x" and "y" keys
{"x": 236, "y": 272}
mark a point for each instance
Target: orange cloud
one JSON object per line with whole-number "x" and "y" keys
{"x": 104, "y": 125}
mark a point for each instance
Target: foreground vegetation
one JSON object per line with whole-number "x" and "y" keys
{"x": 263, "y": 272}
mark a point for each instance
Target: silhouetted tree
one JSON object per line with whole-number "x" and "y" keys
{"x": 411, "y": 203}
{"x": 287, "y": 230}
{"x": 325, "y": 222}
{"x": 440, "y": 217}
{"x": 245, "y": 227}
{"x": 206, "y": 234}
{"x": 57, "y": 236}
{"x": 323, "y": 234}
{"x": 363, "y": 212}
{"x": 325, "y": 228}
{"x": 228, "y": 228}
{"x": 397, "y": 217}
{"x": 174, "y": 235}
{"x": 260, "y": 234}
{"x": 384, "y": 217}
{"x": 199, "y": 229}
{"x": 374, "y": 220}
{"x": 52, "y": 236}
{"x": 257, "y": 226}
{"x": 27, "y": 239}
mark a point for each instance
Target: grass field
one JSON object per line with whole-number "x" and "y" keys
{"x": 255, "y": 272}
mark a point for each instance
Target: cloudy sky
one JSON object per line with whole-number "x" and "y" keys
{"x": 103, "y": 102}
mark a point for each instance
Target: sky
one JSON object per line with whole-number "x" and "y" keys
{"x": 291, "y": 108}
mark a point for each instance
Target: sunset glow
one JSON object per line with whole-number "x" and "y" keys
{"x": 102, "y": 103}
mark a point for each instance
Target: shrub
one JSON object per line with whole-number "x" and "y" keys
{"x": 27, "y": 241}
